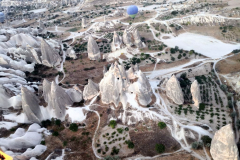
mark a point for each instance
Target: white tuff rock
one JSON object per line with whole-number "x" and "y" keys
{"x": 93, "y": 50}
{"x": 127, "y": 38}
{"x": 137, "y": 40}
{"x": 90, "y": 90}
{"x": 117, "y": 42}
{"x": 30, "y": 106}
{"x": 75, "y": 94}
{"x": 50, "y": 57}
{"x": 196, "y": 96}
{"x": 174, "y": 90}
{"x": 223, "y": 144}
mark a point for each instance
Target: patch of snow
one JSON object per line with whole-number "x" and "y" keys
{"x": 205, "y": 45}
{"x": 76, "y": 114}
{"x": 7, "y": 125}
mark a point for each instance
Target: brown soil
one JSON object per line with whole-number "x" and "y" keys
{"x": 229, "y": 65}
{"x": 79, "y": 143}
{"x": 145, "y": 141}
{"x": 163, "y": 65}
{"x": 79, "y": 70}
{"x": 139, "y": 18}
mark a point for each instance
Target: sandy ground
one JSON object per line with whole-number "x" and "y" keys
{"x": 229, "y": 65}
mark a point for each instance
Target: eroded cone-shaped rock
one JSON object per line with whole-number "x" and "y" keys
{"x": 127, "y": 38}
{"x": 30, "y": 106}
{"x": 114, "y": 83}
{"x": 117, "y": 42}
{"x": 174, "y": 90}
{"x": 46, "y": 90}
{"x": 84, "y": 23}
{"x": 59, "y": 100}
{"x": 130, "y": 73}
{"x": 223, "y": 144}
{"x": 50, "y": 58}
{"x": 35, "y": 54}
{"x": 145, "y": 90}
{"x": 75, "y": 94}
{"x": 41, "y": 25}
{"x": 90, "y": 90}
{"x": 71, "y": 53}
{"x": 93, "y": 50}
{"x": 196, "y": 96}
{"x": 137, "y": 39}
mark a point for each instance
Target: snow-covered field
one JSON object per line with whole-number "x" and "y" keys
{"x": 205, "y": 45}
{"x": 38, "y": 10}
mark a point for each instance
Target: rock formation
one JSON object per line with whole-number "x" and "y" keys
{"x": 75, "y": 94}
{"x": 56, "y": 98}
{"x": 174, "y": 90}
{"x": 84, "y": 23}
{"x": 223, "y": 144}
{"x": 30, "y": 106}
{"x": 116, "y": 83}
{"x": 93, "y": 50}
{"x": 127, "y": 38}
{"x": 117, "y": 42}
{"x": 71, "y": 53}
{"x": 36, "y": 56}
{"x": 113, "y": 84}
{"x": 137, "y": 39}
{"x": 196, "y": 96}
{"x": 90, "y": 90}
{"x": 50, "y": 58}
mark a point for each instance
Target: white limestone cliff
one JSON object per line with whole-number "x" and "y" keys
{"x": 174, "y": 90}
{"x": 223, "y": 144}
{"x": 196, "y": 96}
{"x": 93, "y": 50}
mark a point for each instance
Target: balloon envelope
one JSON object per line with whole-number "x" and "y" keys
{"x": 132, "y": 11}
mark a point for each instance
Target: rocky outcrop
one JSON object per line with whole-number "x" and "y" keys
{"x": 90, "y": 90}
{"x": 127, "y": 38}
{"x": 116, "y": 83}
{"x": 56, "y": 97}
{"x": 117, "y": 42}
{"x": 30, "y": 106}
{"x": 223, "y": 144}
{"x": 50, "y": 58}
{"x": 174, "y": 90}
{"x": 36, "y": 56}
{"x": 113, "y": 84}
{"x": 196, "y": 96}
{"x": 84, "y": 23}
{"x": 93, "y": 50}
{"x": 75, "y": 94}
{"x": 137, "y": 40}
{"x": 71, "y": 53}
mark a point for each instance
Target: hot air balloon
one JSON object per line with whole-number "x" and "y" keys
{"x": 132, "y": 11}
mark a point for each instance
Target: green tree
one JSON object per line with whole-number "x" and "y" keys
{"x": 162, "y": 125}
{"x": 73, "y": 127}
{"x": 160, "y": 148}
{"x": 112, "y": 124}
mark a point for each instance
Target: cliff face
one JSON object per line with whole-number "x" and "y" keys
{"x": 30, "y": 106}
{"x": 196, "y": 96}
{"x": 90, "y": 90}
{"x": 174, "y": 90}
{"x": 50, "y": 57}
{"x": 223, "y": 144}
{"x": 93, "y": 50}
